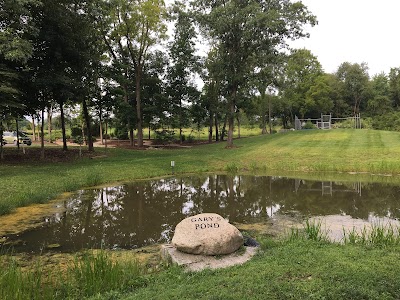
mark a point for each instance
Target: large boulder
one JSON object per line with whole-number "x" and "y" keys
{"x": 207, "y": 234}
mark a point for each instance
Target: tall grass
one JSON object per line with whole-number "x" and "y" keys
{"x": 232, "y": 168}
{"x": 377, "y": 235}
{"x": 91, "y": 273}
{"x": 97, "y": 273}
{"x": 311, "y": 230}
{"x": 19, "y": 284}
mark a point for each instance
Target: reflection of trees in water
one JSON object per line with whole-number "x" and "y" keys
{"x": 145, "y": 212}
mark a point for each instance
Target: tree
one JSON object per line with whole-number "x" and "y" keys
{"x": 129, "y": 30}
{"x": 213, "y": 94}
{"x": 17, "y": 29}
{"x": 301, "y": 70}
{"x": 320, "y": 96}
{"x": 380, "y": 102}
{"x": 355, "y": 80}
{"x": 394, "y": 86}
{"x": 246, "y": 32}
{"x": 184, "y": 63}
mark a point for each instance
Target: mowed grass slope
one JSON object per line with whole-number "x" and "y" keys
{"x": 311, "y": 151}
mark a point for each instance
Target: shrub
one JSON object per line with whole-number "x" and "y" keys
{"x": 76, "y": 131}
{"x": 309, "y": 125}
{"x": 190, "y": 139}
{"x": 164, "y": 137}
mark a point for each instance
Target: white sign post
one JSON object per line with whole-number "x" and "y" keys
{"x": 172, "y": 166}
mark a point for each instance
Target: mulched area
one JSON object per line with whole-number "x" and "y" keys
{"x": 54, "y": 152}
{"x": 13, "y": 156}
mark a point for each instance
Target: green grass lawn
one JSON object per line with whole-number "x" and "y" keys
{"x": 303, "y": 151}
{"x": 284, "y": 269}
{"x": 297, "y": 270}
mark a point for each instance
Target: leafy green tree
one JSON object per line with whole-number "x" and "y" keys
{"x": 246, "y": 32}
{"x": 154, "y": 96}
{"x": 17, "y": 29}
{"x": 354, "y": 80}
{"x": 213, "y": 96}
{"x": 184, "y": 63}
{"x": 379, "y": 103}
{"x": 320, "y": 96}
{"x": 301, "y": 71}
{"x": 394, "y": 86}
{"x": 130, "y": 29}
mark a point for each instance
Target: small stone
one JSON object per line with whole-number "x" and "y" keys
{"x": 207, "y": 234}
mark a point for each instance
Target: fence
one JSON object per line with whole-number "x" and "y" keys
{"x": 325, "y": 122}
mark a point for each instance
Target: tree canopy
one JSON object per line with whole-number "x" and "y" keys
{"x": 223, "y": 62}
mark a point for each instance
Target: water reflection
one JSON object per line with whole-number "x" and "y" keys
{"x": 145, "y": 212}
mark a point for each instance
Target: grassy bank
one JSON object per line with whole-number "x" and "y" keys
{"x": 300, "y": 266}
{"x": 289, "y": 270}
{"x": 307, "y": 151}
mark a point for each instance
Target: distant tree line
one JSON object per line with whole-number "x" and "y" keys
{"x": 113, "y": 62}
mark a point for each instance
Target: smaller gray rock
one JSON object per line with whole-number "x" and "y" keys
{"x": 207, "y": 234}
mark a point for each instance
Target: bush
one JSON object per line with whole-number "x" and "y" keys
{"x": 164, "y": 137}
{"x": 190, "y": 139}
{"x": 76, "y": 131}
{"x": 309, "y": 125}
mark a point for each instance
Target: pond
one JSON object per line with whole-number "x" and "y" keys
{"x": 145, "y": 212}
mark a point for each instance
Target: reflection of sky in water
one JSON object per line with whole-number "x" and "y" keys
{"x": 272, "y": 210}
{"x": 187, "y": 207}
{"x": 143, "y": 212}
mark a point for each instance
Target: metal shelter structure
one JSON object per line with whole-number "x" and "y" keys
{"x": 326, "y": 121}
{"x": 329, "y": 188}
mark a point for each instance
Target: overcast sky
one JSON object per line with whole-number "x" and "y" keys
{"x": 355, "y": 31}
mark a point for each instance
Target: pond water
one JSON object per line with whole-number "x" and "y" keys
{"x": 145, "y": 212}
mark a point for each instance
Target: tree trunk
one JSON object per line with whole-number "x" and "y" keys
{"x": 106, "y": 136}
{"x": 42, "y": 137}
{"x": 210, "y": 128}
{"x": 38, "y": 126}
{"x": 238, "y": 122}
{"x": 84, "y": 139}
{"x": 88, "y": 126}
{"x": 231, "y": 119}
{"x": 357, "y": 101}
{"x": 263, "y": 124}
{"x": 49, "y": 118}
{"x": 139, "y": 105}
{"x": 216, "y": 128}
{"x": 224, "y": 128}
{"x": 1, "y": 140}
{"x": 34, "y": 129}
{"x": 101, "y": 127}
{"x": 180, "y": 122}
{"x": 64, "y": 136}
{"x": 131, "y": 137}
{"x": 17, "y": 127}
{"x": 269, "y": 115}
